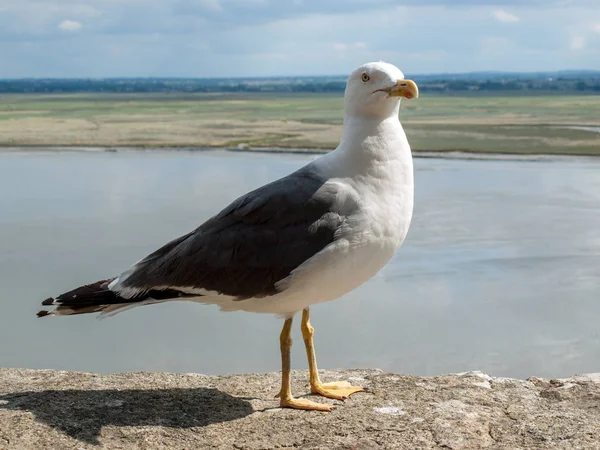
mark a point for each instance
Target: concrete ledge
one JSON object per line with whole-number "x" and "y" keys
{"x": 43, "y": 409}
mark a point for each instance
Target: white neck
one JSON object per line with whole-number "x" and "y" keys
{"x": 363, "y": 144}
{"x": 374, "y": 158}
{"x": 375, "y": 161}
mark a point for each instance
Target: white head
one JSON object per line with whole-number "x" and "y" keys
{"x": 374, "y": 91}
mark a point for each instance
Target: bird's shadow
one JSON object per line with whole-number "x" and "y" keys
{"x": 82, "y": 413}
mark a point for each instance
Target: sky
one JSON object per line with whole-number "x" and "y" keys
{"x": 242, "y": 38}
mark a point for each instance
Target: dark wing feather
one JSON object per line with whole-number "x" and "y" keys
{"x": 250, "y": 245}
{"x": 95, "y": 297}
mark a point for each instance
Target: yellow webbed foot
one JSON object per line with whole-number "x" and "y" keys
{"x": 302, "y": 403}
{"x": 338, "y": 390}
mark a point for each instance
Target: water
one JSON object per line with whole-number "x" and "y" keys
{"x": 500, "y": 271}
{"x": 590, "y": 129}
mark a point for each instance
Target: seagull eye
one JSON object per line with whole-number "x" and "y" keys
{"x": 365, "y": 77}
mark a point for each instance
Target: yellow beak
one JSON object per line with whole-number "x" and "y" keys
{"x": 404, "y": 88}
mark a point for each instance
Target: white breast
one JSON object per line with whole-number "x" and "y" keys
{"x": 366, "y": 242}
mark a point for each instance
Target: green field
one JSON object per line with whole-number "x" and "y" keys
{"x": 478, "y": 123}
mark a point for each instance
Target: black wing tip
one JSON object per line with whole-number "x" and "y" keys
{"x": 48, "y": 301}
{"x": 43, "y": 313}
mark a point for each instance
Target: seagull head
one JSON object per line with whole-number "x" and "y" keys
{"x": 374, "y": 90}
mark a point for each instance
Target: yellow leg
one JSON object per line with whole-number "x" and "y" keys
{"x": 285, "y": 395}
{"x": 337, "y": 390}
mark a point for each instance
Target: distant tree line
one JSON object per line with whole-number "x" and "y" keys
{"x": 574, "y": 81}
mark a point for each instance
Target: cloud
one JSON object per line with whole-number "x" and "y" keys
{"x": 577, "y": 42}
{"x": 503, "y": 16}
{"x": 204, "y": 38}
{"x": 70, "y": 25}
{"x": 597, "y": 28}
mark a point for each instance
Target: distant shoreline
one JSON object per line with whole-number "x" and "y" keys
{"x": 505, "y": 125}
{"x": 438, "y": 154}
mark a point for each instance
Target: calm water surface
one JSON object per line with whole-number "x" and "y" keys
{"x": 500, "y": 271}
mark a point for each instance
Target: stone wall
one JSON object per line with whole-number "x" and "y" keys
{"x": 45, "y": 409}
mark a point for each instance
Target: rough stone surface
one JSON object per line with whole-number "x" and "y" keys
{"x": 45, "y": 409}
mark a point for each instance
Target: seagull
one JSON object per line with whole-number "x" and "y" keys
{"x": 306, "y": 238}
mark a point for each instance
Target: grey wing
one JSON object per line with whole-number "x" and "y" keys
{"x": 244, "y": 250}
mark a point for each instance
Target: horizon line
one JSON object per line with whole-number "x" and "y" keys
{"x": 432, "y": 74}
